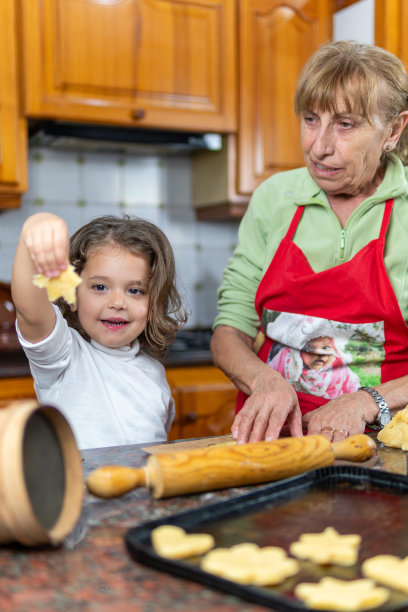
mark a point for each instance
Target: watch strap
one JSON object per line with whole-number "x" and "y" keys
{"x": 384, "y": 415}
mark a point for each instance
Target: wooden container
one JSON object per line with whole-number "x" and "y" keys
{"x": 41, "y": 479}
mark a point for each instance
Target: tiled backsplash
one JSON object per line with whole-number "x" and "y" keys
{"x": 80, "y": 186}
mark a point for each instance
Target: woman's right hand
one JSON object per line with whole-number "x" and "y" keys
{"x": 45, "y": 236}
{"x": 272, "y": 403}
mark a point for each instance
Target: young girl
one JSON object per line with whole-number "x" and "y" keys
{"x": 96, "y": 360}
{"x": 320, "y": 368}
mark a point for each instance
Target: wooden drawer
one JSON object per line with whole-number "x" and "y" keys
{"x": 205, "y": 402}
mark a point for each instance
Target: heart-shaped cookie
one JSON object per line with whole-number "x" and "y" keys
{"x": 174, "y": 543}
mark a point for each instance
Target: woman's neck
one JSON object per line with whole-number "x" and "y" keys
{"x": 344, "y": 207}
{"x": 343, "y": 204}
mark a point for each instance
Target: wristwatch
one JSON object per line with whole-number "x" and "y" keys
{"x": 384, "y": 415}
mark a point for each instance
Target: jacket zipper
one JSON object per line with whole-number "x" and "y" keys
{"x": 342, "y": 242}
{"x": 343, "y": 230}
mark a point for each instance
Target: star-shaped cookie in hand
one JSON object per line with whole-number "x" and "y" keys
{"x": 327, "y": 547}
{"x": 63, "y": 286}
{"x": 344, "y": 595}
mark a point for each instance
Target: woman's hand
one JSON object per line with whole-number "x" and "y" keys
{"x": 45, "y": 236}
{"x": 273, "y": 401}
{"x": 342, "y": 417}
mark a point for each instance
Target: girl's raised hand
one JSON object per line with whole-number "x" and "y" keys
{"x": 46, "y": 239}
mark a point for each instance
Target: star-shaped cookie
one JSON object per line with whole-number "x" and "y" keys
{"x": 63, "y": 285}
{"x": 327, "y": 547}
{"x": 389, "y": 570}
{"x": 250, "y": 564}
{"x": 343, "y": 595}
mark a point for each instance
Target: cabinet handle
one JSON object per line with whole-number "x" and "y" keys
{"x": 139, "y": 113}
{"x": 191, "y": 417}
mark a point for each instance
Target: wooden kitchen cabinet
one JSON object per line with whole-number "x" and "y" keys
{"x": 204, "y": 398}
{"x": 13, "y": 128}
{"x": 275, "y": 40}
{"x": 391, "y": 27}
{"x": 142, "y": 63}
{"x": 205, "y": 402}
{"x": 16, "y": 388}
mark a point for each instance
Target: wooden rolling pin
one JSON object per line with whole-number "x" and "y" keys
{"x": 222, "y": 466}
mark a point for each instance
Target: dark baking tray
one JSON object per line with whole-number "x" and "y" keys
{"x": 351, "y": 499}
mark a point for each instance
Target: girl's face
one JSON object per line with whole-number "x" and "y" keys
{"x": 320, "y": 354}
{"x": 113, "y": 298}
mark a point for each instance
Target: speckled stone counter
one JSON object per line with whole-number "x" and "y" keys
{"x": 93, "y": 571}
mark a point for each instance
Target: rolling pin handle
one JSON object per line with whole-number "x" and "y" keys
{"x": 115, "y": 480}
{"x": 355, "y": 448}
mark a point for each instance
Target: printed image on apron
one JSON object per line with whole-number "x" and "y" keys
{"x": 322, "y": 357}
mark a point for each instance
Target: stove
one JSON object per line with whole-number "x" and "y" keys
{"x": 191, "y": 347}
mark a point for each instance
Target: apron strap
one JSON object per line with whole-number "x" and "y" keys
{"x": 386, "y": 218}
{"x": 294, "y": 223}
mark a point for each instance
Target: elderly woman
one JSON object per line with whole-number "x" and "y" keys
{"x": 328, "y": 242}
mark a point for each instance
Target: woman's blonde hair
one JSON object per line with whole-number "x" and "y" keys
{"x": 367, "y": 79}
{"x": 139, "y": 237}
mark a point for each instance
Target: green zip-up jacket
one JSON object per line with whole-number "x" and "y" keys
{"x": 319, "y": 234}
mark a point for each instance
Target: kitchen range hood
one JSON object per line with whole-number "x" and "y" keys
{"x": 64, "y": 135}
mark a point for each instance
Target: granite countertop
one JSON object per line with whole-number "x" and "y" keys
{"x": 93, "y": 571}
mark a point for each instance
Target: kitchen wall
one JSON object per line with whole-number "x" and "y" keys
{"x": 356, "y": 22}
{"x": 80, "y": 186}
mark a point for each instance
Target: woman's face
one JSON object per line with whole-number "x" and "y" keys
{"x": 320, "y": 353}
{"x": 342, "y": 151}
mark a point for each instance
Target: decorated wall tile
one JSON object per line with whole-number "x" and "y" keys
{"x": 80, "y": 186}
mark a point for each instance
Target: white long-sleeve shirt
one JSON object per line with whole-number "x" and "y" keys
{"x": 109, "y": 396}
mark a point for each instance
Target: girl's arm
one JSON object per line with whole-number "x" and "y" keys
{"x": 42, "y": 248}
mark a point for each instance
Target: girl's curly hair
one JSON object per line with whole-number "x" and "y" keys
{"x": 140, "y": 237}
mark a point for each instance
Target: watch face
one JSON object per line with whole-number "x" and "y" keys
{"x": 384, "y": 417}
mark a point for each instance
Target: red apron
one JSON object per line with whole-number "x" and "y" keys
{"x": 312, "y": 312}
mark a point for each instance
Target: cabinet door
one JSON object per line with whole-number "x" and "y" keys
{"x": 391, "y": 27}
{"x": 13, "y": 141}
{"x": 151, "y": 63}
{"x": 276, "y": 38}
{"x": 16, "y": 388}
{"x": 205, "y": 402}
